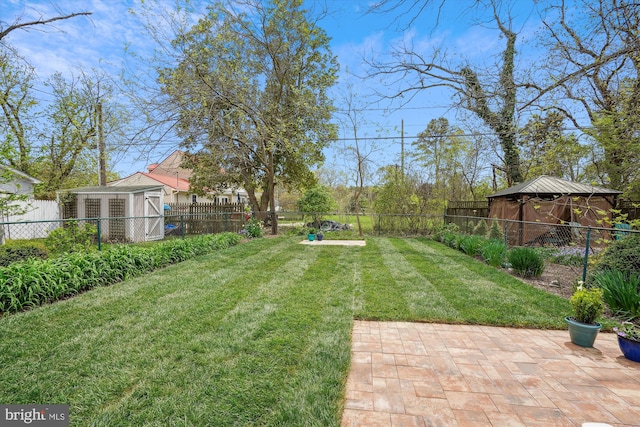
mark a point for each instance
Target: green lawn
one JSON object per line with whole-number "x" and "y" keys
{"x": 258, "y": 334}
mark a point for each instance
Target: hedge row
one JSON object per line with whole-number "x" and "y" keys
{"x": 526, "y": 262}
{"x": 35, "y": 282}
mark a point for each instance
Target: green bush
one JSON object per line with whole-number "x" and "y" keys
{"x": 448, "y": 238}
{"x": 470, "y": 245}
{"x": 526, "y": 262}
{"x": 72, "y": 238}
{"x": 493, "y": 252}
{"x": 495, "y": 232}
{"x": 457, "y": 241}
{"x": 34, "y": 282}
{"x": 446, "y": 232}
{"x": 587, "y": 304}
{"x": 621, "y": 255}
{"x": 620, "y": 291}
{"x": 481, "y": 228}
{"x": 253, "y": 228}
{"x": 21, "y": 252}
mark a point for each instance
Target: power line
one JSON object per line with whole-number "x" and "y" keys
{"x": 399, "y": 136}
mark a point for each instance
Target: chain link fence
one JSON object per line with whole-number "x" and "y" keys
{"x": 129, "y": 229}
{"x": 372, "y": 224}
{"x": 561, "y": 240}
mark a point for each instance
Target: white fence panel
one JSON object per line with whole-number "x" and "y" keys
{"x": 36, "y": 210}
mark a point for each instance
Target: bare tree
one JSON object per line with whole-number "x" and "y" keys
{"x": 491, "y": 100}
{"x": 360, "y": 152}
{"x": 18, "y": 24}
{"x": 594, "y": 68}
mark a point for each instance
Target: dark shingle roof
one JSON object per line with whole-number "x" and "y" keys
{"x": 551, "y": 185}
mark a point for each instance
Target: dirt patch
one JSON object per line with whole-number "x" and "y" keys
{"x": 556, "y": 279}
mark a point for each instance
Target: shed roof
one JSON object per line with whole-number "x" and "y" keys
{"x": 20, "y": 174}
{"x": 124, "y": 189}
{"x": 550, "y": 185}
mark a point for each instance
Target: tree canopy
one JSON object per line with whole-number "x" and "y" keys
{"x": 250, "y": 92}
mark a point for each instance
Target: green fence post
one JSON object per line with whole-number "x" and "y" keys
{"x": 586, "y": 255}
{"x": 99, "y": 229}
{"x": 506, "y": 238}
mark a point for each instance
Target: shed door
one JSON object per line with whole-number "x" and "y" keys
{"x": 154, "y": 216}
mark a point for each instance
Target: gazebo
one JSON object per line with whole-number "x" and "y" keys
{"x": 550, "y": 200}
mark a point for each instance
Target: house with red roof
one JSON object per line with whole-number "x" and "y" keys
{"x": 175, "y": 181}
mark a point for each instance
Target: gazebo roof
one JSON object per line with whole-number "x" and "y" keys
{"x": 550, "y": 185}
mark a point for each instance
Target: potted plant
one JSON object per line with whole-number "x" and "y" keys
{"x": 587, "y": 306}
{"x": 629, "y": 340}
{"x": 319, "y": 235}
{"x": 311, "y": 234}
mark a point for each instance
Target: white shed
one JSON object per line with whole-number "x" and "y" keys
{"x": 126, "y": 213}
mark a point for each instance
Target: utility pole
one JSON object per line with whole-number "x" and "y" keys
{"x": 402, "y": 149}
{"x": 102, "y": 167}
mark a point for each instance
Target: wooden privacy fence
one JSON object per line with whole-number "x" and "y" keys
{"x": 205, "y": 218}
{"x": 479, "y": 208}
{"x": 629, "y": 207}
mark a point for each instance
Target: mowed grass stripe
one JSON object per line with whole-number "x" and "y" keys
{"x": 484, "y": 294}
{"x": 321, "y": 374}
{"x": 376, "y": 297}
{"x": 235, "y": 367}
{"x": 414, "y": 295}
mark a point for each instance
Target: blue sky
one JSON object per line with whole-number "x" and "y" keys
{"x": 98, "y": 41}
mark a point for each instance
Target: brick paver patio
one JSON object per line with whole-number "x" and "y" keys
{"x": 418, "y": 374}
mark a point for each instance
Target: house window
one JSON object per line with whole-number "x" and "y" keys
{"x": 194, "y": 198}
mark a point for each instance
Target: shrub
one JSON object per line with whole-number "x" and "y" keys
{"x": 449, "y": 239}
{"x": 457, "y": 241}
{"x": 481, "y": 228}
{"x": 587, "y": 304}
{"x": 620, "y": 291}
{"x": 526, "y": 262}
{"x": 253, "y": 228}
{"x": 622, "y": 255}
{"x": 495, "y": 232}
{"x": 71, "y": 238}
{"x": 493, "y": 252}
{"x": 446, "y": 230}
{"x": 470, "y": 245}
{"x": 35, "y": 281}
{"x": 21, "y": 252}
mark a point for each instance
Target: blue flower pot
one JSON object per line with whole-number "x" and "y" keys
{"x": 582, "y": 334}
{"x": 629, "y": 348}
{"x": 311, "y": 237}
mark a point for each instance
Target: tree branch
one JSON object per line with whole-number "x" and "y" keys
{"x": 22, "y": 25}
